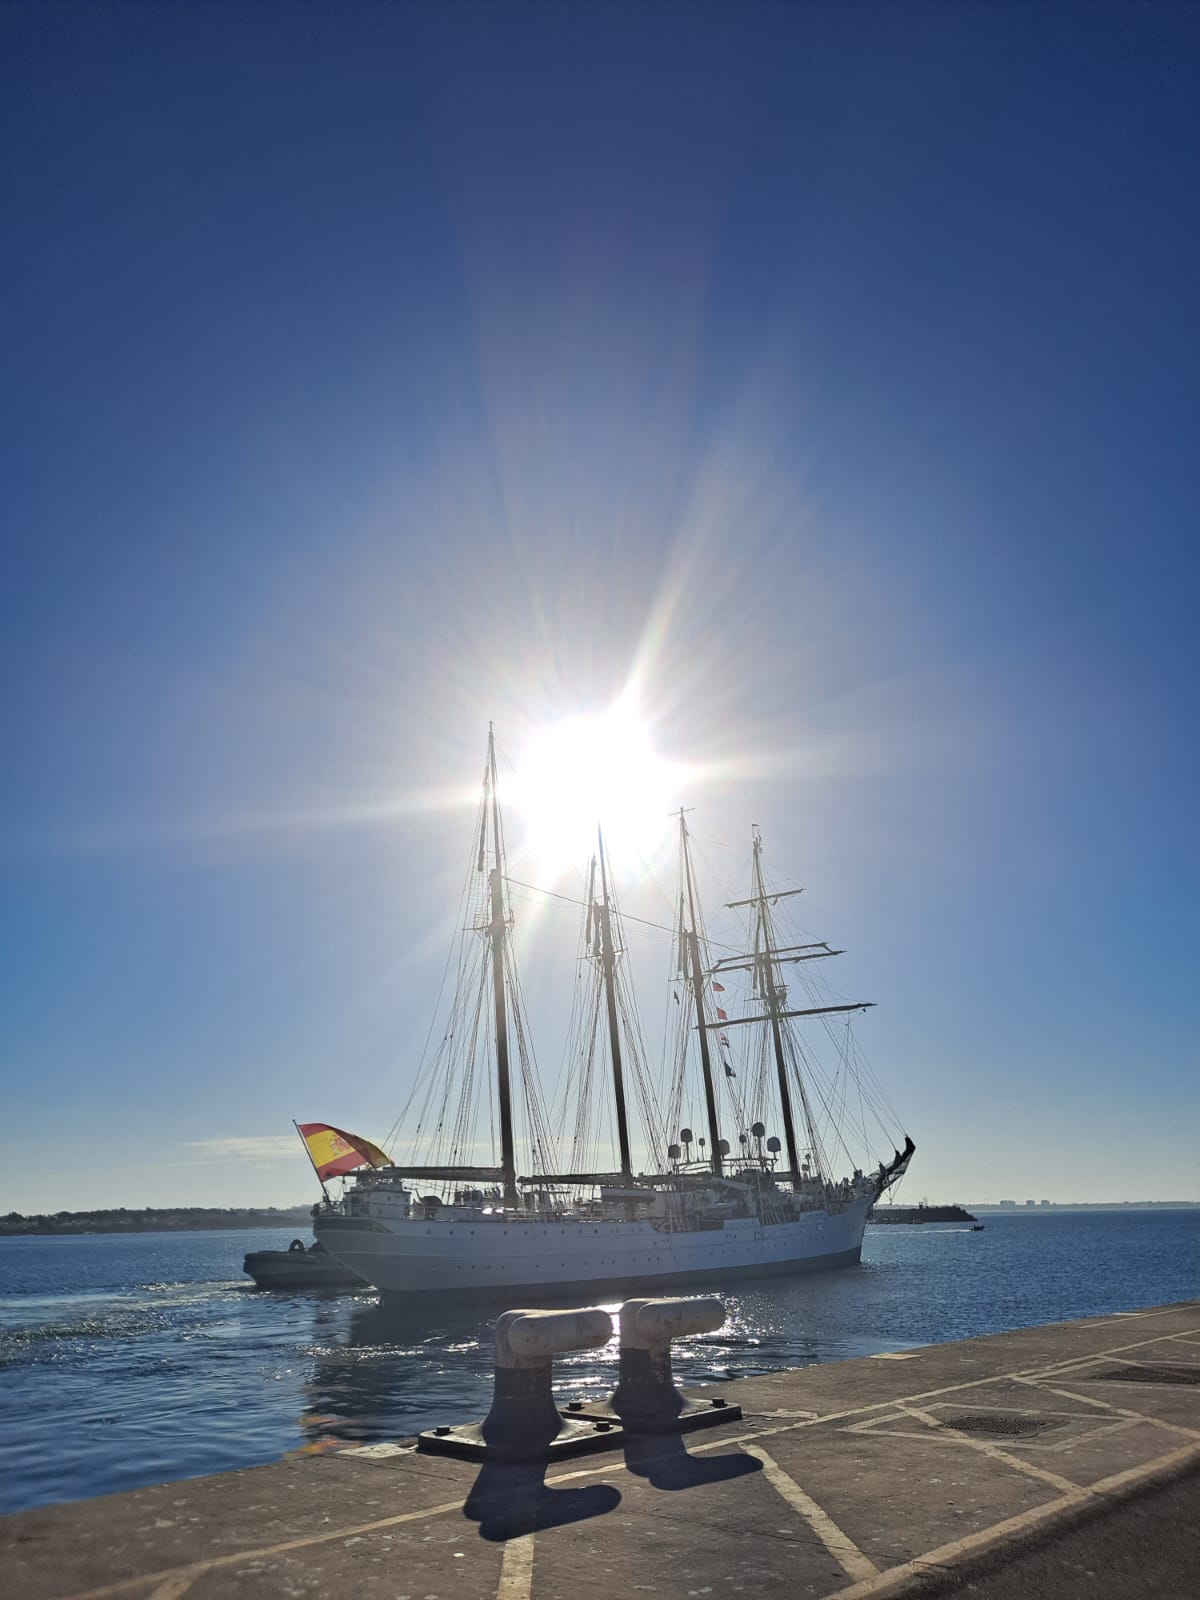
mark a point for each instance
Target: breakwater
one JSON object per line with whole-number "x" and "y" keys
{"x": 920, "y": 1214}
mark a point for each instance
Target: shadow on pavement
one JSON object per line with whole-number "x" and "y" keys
{"x": 509, "y": 1499}
{"x": 662, "y": 1460}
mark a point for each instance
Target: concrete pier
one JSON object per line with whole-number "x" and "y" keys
{"x": 1054, "y": 1461}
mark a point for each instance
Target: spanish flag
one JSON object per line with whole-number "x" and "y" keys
{"x": 332, "y": 1151}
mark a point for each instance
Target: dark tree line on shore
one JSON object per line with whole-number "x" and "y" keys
{"x": 152, "y": 1219}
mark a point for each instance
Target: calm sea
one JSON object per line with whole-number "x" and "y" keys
{"x": 128, "y": 1361}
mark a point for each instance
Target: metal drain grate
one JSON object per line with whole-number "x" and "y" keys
{"x": 1146, "y": 1374}
{"x": 1001, "y": 1424}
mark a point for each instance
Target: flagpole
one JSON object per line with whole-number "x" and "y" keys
{"x": 311, "y": 1162}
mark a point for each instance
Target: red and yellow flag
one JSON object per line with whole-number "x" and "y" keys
{"x": 333, "y": 1151}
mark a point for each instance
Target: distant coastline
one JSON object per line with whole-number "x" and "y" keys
{"x": 152, "y": 1219}
{"x": 924, "y": 1212}
{"x": 188, "y": 1219}
{"x": 1013, "y": 1208}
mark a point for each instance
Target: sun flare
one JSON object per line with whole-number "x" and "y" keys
{"x": 588, "y": 770}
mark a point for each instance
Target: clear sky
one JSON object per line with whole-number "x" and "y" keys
{"x": 826, "y": 377}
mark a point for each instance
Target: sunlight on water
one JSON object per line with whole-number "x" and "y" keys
{"x": 134, "y": 1378}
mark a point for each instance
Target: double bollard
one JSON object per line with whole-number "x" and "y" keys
{"x": 525, "y": 1424}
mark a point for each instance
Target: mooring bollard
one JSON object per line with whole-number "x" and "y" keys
{"x": 524, "y": 1424}
{"x": 524, "y": 1417}
{"x": 646, "y": 1399}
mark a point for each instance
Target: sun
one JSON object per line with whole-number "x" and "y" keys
{"x": 584, "y": 771}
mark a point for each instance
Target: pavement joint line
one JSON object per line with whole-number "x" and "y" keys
{"x": 196, "y": 1569}
{"x": 1060, "y": 1368}
{"x": 174, "y": 1587}
{"x": 1158, "y": 1311}
{"x": 948, "y": 1438}
{"x": 896, "y": 1580}
{"x": 909, "y": 1575}
{"x": 995, "y": 1453}
{"x": 839, "y": 1544}
{"x": 929, "y": 1394}
{"x": 795, "y": 1423}
{"x": 1112, "y": 1319}
{"x": 516, "y": 1569}
{"x": 840, "y": 1416}
{"x": 1120, "y": 1411}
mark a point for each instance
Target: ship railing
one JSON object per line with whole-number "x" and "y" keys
{"x": 672, "y": 1224}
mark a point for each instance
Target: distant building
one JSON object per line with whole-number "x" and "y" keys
{"x": 1010, "y": 1205}
{"x": 1031, "y": 1202}
{"x": 1043, "y": 1202}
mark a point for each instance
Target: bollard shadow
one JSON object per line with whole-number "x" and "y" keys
{"x": 509, "y": 1499}
{"x": 665, "y": 1464}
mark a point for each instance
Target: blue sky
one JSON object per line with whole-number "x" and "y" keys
{"x": 828, "y": 373}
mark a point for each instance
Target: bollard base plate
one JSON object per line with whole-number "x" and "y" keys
{"x": 691, "y": 1415}
{"x": 578, "y": 1435}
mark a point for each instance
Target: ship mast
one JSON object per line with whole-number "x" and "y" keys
{"x": 765, "y": 952}
{"x": 508, "y": 1161}
{"x": 693, "y": 944}
{"x": 608, "y": 966}
{"x": 763, "y": 962}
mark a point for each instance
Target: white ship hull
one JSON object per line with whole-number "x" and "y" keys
{"x": 489, "y": 1256}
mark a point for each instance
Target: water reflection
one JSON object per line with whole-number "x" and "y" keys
{"x": 391, "y": 1371}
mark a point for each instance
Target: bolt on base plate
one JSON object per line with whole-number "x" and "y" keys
{"x": 692, "y": 1414}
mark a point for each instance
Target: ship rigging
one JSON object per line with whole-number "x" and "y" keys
{"x": 691, "y": 1207}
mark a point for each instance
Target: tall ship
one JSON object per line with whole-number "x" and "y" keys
{"x": 494, "y": 1190}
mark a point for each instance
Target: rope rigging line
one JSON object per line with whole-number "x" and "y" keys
{"x": 659, "y": 927}
{"x": 456, "y": 945}
{"x": 581, "y": 992}
{"x": 454, "y": 1092}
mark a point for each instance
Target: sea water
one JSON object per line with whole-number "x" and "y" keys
{"x": 130, "y": 1360}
